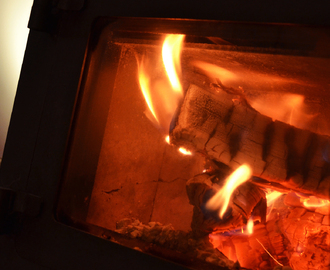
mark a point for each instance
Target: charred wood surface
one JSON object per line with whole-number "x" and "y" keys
{"x": 220, "y": 123}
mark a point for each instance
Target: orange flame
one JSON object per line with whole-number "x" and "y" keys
{"x": 214, "y": 71}
{"x": 145, "y": 88}
{"x": 163, "y": 94}
{"x": 249, "y": 226}
{"x": 313, "y": 202}
{"x": 222, "y": 197}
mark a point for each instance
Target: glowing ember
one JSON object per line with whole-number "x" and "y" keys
{"x": 288, "y": 108}
{"x": 269, "y": 253}
{"x": 171, "y": 59}
{"x": 167, "y": 139}
{"x": 184, "y": 151}
{"x": 222, "y": 197}
{"x": 313, "y": 202}
{"x": 164, "y": 92}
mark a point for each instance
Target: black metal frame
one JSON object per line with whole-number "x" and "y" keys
{"x": 41, "y": 120}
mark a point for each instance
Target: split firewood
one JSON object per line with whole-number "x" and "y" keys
{"x": 247, "y": 200}
{"x": 220, "y": 123}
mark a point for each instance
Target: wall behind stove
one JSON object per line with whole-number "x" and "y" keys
{"x": 14, "y": 16}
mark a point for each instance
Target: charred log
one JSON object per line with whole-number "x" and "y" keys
{"x": 220, "y": 123}
{"x": 248, "y": 200}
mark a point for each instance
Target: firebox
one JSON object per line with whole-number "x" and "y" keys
{"x": 165, "y": 142}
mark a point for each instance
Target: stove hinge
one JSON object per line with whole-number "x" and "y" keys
{"x": 14, "y": 206}
{"x": 46, "y": 13}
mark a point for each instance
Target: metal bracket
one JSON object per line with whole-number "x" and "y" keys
{"x": 14, "y": 203}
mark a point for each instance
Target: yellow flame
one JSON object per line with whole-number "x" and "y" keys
{"x": 272, "y": 196}
{"x": 249, "y": 226}
{"x": 313, "y": 201}
{"x": 162, "y": 91}
{"x": 222, "y": 197}
{"x": 185, "y": 151}
{"x": 171, "y": 59}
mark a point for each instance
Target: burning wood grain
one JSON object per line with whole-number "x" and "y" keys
{"x": 220, "y": 123}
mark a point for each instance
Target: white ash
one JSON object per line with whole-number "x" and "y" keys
{"x": 166, "y": 236}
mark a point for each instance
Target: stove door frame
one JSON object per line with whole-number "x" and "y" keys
{"x": 42, "y": 114}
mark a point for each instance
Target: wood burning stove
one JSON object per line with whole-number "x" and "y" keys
{"x": 88, "y": 179}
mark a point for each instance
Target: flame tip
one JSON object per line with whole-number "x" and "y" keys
{"x": 221, "y": 199}
{"x": 163, "y": 95}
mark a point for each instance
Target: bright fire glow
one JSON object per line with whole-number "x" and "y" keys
{"x": 162, "y": 90}
{"x": 171, "y": 59}
{"x": 222, "y": 197}
{"x": 167, "y": 139}
{"x": 249, "y": 226}
{"x": 313, "y": 201}
{"x": 185, "y": 151}
{"x": 272, "y": 197}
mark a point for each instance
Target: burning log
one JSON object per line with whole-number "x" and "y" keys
{"x": 248, "y": 200}
{"x": 220, "y": 123}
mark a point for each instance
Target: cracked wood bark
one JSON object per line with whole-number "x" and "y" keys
{"x": 222, "y": 125}
{"x": 247, "y": 200}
